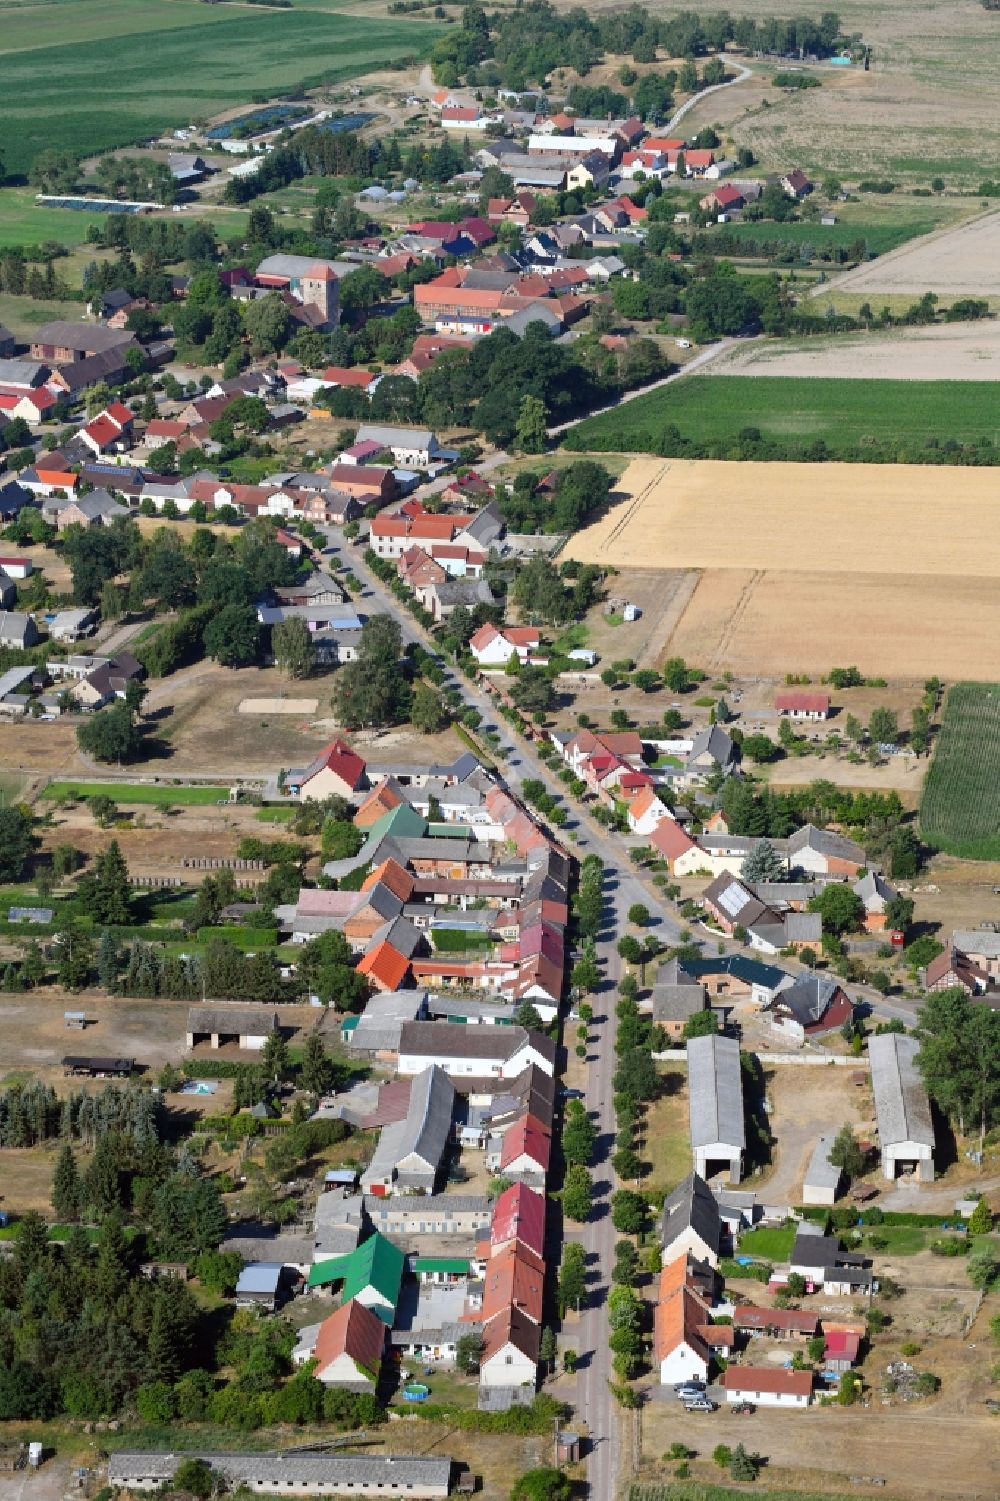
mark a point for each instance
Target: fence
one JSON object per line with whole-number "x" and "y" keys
{"x": 221, "y": 862}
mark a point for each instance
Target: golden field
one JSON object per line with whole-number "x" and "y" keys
{"x": 804, "y": 567}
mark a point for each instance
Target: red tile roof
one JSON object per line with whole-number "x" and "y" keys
{"x": 385, "y": 966}
{"x": 527, "y": 1137}
{"x": 513, "y": 1279}
{"x": 355, "y": 1331}
{"x": 343, "y": 762}
{"x": 519, "y": 1214}
{"x": 670, "y": 839}
{"x": 391, "y": 874}
{"x": 341, "y": 376}
{"x": 770, "y": 1379}
{"x": 802, "y": 703}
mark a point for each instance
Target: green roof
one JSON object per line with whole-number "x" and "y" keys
{"x": 440, "y": 1264}
{"x": 376, "y": 1264}
{"x": 405, "y": 822}
{"x": 449, "y": 830}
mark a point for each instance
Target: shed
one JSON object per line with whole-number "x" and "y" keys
{"x": 823, "y": 1179}
{"x": 247, "y": 1026}
{"x": 258, "y": 1285}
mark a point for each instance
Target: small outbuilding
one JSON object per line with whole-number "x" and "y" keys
{"x": 248, "y": 1027}
{"x": 823, "y": 1179}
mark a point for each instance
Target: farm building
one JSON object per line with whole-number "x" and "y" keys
{"x": 299, "y": 1473}
{"x": 902, "y": 1109}
{"x": 347, "y": 1347}
{"x": 768, "y": 1386}
{"x": 411, "y": 1151}
{"x": 798, "y": 705}
{"x": 98, "y": 1068}
{"x": 715, "y": 1103}
{"x": 247, "y": 1026}
{"x": 775, "y": 1323}
{"x": 823, "y": 1179}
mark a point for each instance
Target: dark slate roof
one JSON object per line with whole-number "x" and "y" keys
{"x": 692, "y": 1205}
{"x": 752, "y": 971}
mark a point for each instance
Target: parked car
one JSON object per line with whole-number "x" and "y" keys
{"x": 690, "y": 1389}
{"x": 699, "y": 1404}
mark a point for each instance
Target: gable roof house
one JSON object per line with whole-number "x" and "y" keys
{"x": 473, "y": 1052}
{"x": 824, "y": 852}
{"x": 674, "y": 998}
{"x": 797, "y": 703}
{"x": 65, "y": 343}
{"x": 768, "y": 1386}
{"x": 823, "y": 1262}
{"x": 509, "y": 1358}
{"x": 337, "y": 771}
{"x": 493, "y": 646}
{"x": 372, "y": 1272}
{"x": 518, "y": 1217}
{"x": 690, "y": 1224}
{"x": 347, "y": 1347}
{"x": 874, "y": 891}
{"x": 951, "y": 969}
{"x": 813, "y": 1006}
{"x": 17, "y": 629}
{"x": 679, "y": 1346}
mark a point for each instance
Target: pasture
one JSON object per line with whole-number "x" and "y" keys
{"x": 171, "y": 75}
{"x": 855, "y": 419}
{"x": 801, "y": 567}
{"x": 960, "y": 809}
{"x": 139, "y": 793}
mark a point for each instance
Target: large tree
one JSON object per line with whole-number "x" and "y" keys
{"x": 110, "y": 734}
{"x": 292, "y": 644}
{"x": 840, "y": 908}
{"x": 959, "y": 1058}
{"x": 16, "y": 842}
{"x": 372, "y": 690}
{"x": 232, "y": 636}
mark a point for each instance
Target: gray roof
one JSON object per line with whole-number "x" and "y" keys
{"x": 429, "y": 1205}
{"x": 294, "y": 266}
{"x": 469, "y": 592}
{"x": 716, "y": 742}
{"x": 691, "y": 1205}
{"x": 902, "y": 1108}
{"x": 382, "y": 1019}
{"x": 93, "y": 338}
{"x": 715, "y": 1092}
{"x": 454, "y": 1040}
{"x": 273, "y": 1472}
{"x": 977, "y": 941}
{"x": 12, "y": 679}
{"x": 260, "y": 1277}
{"x": 22, "y": 372}
{"x": 247, "y": 1021}
{"x": 290, "y": 1250}
{"x": 420, "y": 1139}
{"x": 821, "y": 1173}
{"x": 396, "y": 437}
{"x": 826, "y": 842}
{"x": 677, "y": 1002}
{"x": 99, "y": 503}
{"x": 874, "y": 890}
{"x": 809, "y": 998}
{"x": 14, "y": 624}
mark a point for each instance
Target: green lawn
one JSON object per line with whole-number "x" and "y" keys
{"x": 135, "y": 793}
{"x": 851, "y": 417}
{"x": 25, "y": 222}
{"x": 180, "y": 62}
{"x": 768, "y": 1243}
{"x": 763, "y": 238}
{"x": 960, "y": 807}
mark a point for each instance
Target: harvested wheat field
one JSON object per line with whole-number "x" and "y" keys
{"x": 961, "y": 262}
{"x": 807, "y": 566}
{"x": 947, "y": 351}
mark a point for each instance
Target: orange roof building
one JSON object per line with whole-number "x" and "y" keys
{"x": 348, "y": 1348}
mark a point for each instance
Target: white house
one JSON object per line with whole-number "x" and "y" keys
{"x": 475, "y": 1052}
{"x": 691, "y": 1225}
{"x": 510, "y": 1350}
{"x": 645, "y": 812}
{"x": 493, "y": 645}
{"x": 411, "y": 447}
{"x": 767, "y": 1386}
{"x": 347, "y": 1347}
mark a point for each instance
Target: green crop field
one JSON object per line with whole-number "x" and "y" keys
{"x": 878, "y": 237}
{"x": 960, "y": 808}
{"x": 135, "y": 793}
{"x": 168, "y": 71}
{"x": 710, "y": 411}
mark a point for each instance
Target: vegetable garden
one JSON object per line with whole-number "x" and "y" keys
{"x": 960, "y": 809}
